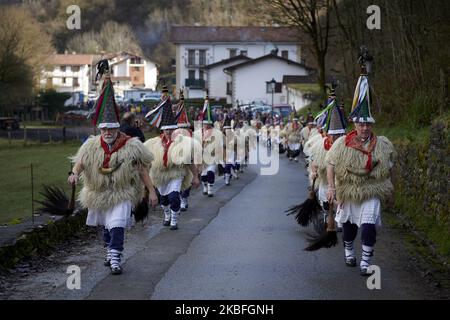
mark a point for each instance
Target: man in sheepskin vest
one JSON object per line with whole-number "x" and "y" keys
{"x": 114, "y": 170}
{"x": 333, "y": 126}
{"x": 294, "y": 140}
{"x": 359, "y": 166}
{"x": 211, "y": 140}
{"x": 173, "y": 169}
{"x": 184, "y": 128}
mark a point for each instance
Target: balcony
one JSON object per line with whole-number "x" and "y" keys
{"x": 195, "y": 83}
{"x": 194, "y": 64}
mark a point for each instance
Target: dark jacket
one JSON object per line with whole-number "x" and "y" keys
{"x": 132, "y": 131}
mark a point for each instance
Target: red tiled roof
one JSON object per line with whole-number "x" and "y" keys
{"x": 186, "y": 34}
{"x": 70, "y": 59}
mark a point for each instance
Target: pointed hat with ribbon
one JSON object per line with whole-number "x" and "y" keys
{"x": 106, "y": 110}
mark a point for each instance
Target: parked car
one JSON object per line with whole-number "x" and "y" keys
{"x": 284, "y": 110}
{"x": 150, "y": 97}
{"x": 8, "y": 123}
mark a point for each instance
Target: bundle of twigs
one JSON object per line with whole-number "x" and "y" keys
{"x": 308, "y": 210}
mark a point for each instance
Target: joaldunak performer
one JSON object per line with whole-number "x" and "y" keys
{"x": 210, "y": 145}
{"x": 229, "y": 151}
{"x": 334, "y": 127}
{"x": 173, "y": 168}
{"x": 358, "y": 171}
{"x": 294, "y": 140}
{"x": 184, "y": 128}
{"x": 114, "y": 169}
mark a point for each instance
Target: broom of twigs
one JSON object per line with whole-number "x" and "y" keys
{"x": 328, "y": 238}
{"x": 306, "y": 211}
{"x": 56, "y": 202}
{"x": 141, "y": 211}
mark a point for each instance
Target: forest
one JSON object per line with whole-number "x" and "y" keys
{"x": 410, "y": 50}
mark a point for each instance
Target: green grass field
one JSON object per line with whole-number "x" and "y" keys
{"x": 50, "y": 166}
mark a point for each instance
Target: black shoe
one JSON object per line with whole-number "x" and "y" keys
{"x": 116, "y": 270}
{"x": 210, "y": 195}
{"x": 107, "y": 263}
{"x": 350, "y": 262}
{"x": 166, "y": 223}
{"x": 175, "y": 227}
{"x": 364, "y": 272}
{"x": 183, "y": 209}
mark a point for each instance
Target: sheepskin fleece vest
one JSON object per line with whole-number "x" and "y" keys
{"x": 179, "y": 158}
{"x": 104, "y": 191}
{"x": 319, "y": 153}
{"x": 295, "y": 137}
{"x": 306, "y": 133}
{"x": 353, "y": 182}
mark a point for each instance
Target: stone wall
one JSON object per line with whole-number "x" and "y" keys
{"x": 421, "y": 180}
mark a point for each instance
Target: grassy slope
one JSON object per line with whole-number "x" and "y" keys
{"x": 50, "y": 166}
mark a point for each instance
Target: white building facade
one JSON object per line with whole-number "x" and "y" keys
{"x": 75, "y": 73}
{"x": 250, "y": 80}
{"x": 198, "y": 47}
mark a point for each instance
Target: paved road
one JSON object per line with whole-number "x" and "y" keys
{"x": 237, "y": 245}
{"x": 251, "y": 250}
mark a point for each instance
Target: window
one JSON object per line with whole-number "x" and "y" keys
{"x": 75, "y": 68}
{"x": 233, "y": 53}
{"x": 75, "y": 82}
{"x": 135, "y": 60}
{"x": 191, "y": 57}
{"x": 202, "y": 74}
{"x": 202, "y": 57}
{"x": 243, "y": 52}
{"x": 63, "y": 68}
{"x": 285, "y": 54}
{"x": 64, "y": 80}
{"x": 191, "y": 74}
{"x": 278, "y": 87}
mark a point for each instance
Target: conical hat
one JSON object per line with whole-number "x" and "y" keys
{"x": 162, "y": 116}
{"x": 335, "y": 121}
{"x": 106, "y": 110}
{"x": 362, "y": 100}
{"x": 181, "y": 113}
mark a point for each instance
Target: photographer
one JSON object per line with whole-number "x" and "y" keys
{"x": 130, "y": 126}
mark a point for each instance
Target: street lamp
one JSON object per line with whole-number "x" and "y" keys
{"x": 272, "y": 84}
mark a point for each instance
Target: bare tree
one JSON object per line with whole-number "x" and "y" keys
{"x": 23, "y": 50}
{"x": 113, "y": 37}
{"x": 311, "y": 17}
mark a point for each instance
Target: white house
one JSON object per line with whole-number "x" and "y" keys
{"x": 71, "y": 73}
{"x": 197, "y": 47}
{"x": 132, "y": 71}
{"x": 249, "y": 81}
{"x": 217, "y": 83}
{"x": 75, "y": 73}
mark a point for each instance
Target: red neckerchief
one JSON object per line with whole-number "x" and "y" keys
{"x": 327, "y": 143}
{"x": 352, "y": 141}
{"x": 166, "y": 145}
{"x": 121, "y": 140}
